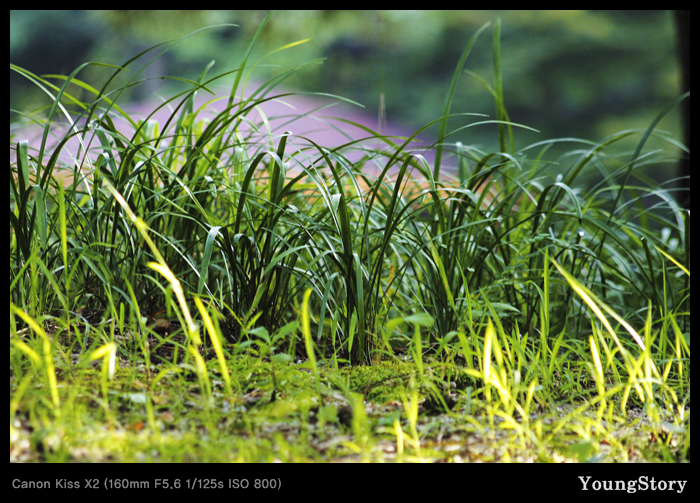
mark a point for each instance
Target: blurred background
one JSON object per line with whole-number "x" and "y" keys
{"x": 585, "y": 74}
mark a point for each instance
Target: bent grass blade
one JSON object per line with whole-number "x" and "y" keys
{"x": 598, "y": 306}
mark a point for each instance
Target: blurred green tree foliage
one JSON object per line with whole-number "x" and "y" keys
{"x": 567, "y": 73}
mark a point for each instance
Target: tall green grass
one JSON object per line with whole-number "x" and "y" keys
{"x": 249, "y": 224}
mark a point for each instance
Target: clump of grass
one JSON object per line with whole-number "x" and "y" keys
{"x": 501, "y": 276}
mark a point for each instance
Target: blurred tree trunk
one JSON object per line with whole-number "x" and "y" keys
{"x": 682, "y": 19}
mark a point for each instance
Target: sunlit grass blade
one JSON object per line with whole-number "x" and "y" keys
{"x": 48, "y": 360}
{"x": 678, "y": 264}
{"x": 214, "y": 336}
{"x": 597, "y": 306}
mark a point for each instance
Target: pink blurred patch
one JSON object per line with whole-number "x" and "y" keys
{"x": 329, "y": 122}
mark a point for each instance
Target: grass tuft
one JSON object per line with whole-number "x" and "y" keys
{"x": 126, "y": 241}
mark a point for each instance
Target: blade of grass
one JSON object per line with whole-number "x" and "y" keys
{"x": 449, "y": 97}
{"x": 597, "y": 306}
